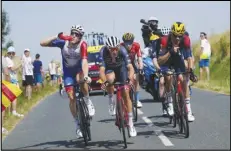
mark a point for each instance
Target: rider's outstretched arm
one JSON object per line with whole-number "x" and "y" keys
{"x": 47, "y": 42}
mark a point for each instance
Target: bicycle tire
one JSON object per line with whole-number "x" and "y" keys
{"x": 122, "y": 121}
{"x": 87, "y": 120}
{"x": 134, "y": 105}
{"x": 82, "y": 122}
{"x": 184, "y": 117}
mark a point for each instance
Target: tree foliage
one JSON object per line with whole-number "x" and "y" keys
{"x": 5, "y": 25}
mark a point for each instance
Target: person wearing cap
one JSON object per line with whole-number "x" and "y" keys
{"x": 37, "y": 71}
{"x": 12, "y": 68}
{"x": 6, "y": 77}
{"x": 28, "y": 72}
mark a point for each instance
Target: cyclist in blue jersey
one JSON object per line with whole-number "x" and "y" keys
{"x": 115, "y": 65}
{"x": 75, "y": 67}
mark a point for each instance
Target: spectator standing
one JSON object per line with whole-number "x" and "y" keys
{"x": 205, "y": 55}
{"x": 37, "y": 72}
{"x": 52, "y": 71}
{"x": 28, "y": 72}
{"x": 5, "y": 76}
{"x": 13, "y": 76}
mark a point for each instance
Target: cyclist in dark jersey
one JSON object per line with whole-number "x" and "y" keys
{"x": 115, "y": 64}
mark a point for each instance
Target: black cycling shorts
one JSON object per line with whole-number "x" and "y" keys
{"x": 121, "y": 73}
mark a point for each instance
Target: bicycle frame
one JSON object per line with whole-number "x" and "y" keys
{"x": 120, "y": 98}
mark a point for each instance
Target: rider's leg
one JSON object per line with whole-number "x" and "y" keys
{"x": 137, "y": 90}
{"x": 168, "y": 80}
{"x": 123, "y": 76}
{"x": 68, "y": 81}
{"x": 84, "y": 89}
{"x": 110, "y": 76}
{"x": 187, "y": 94}
{"x": 161, "y": 91}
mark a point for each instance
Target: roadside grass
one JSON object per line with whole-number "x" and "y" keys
{"x": 24, "y": 106}
{"x": 219, "y": 64}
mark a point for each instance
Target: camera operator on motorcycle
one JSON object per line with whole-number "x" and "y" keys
{"x": 164, "y": 82}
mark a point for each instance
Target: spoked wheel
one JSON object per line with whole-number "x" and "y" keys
{"x": 87, "y": 121}
{"x": 134, "y": 105}
{"x": 82, "y": 123}
{"x": 122, "y": 122}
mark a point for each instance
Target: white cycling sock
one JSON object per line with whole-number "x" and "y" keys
{"x": 130, "y": 121}
{"x": 188, "y": 105}
{"x": 87, "y": 99}
{"x": 111, "y": 100}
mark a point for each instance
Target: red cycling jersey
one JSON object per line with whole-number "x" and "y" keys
{"x": 185, "y": 42}
{"x": 135, "y": 50}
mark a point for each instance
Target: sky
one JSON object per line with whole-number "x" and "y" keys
{"x": 32, "y": 22}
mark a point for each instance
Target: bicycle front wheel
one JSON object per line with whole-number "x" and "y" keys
{"x": 122, "y": 121}
{"x": 82, "y": 120}
{"x": 134, "y": 105}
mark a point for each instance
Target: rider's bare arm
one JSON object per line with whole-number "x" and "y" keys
{"x": 102, "y": 75}
{"x": 130, "y": 71}
{"x": 83, "y": 48}
{"x": 164, "y": 58}
{"x": 139, "y": 55}
{"x": 128, "y": 63}
{"x": 47, "y": 42}
{"x": 154, "y": 60}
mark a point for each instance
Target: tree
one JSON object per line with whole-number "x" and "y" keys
{"x": 5, "y": 25}
{"x": 9, "y": 43}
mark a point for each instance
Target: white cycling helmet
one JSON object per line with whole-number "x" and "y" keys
{"x": 153, "y": 19}
{"x": 165, "y": 31}
{"x": 78, "y": 28}
{"x": 112, "y": 41}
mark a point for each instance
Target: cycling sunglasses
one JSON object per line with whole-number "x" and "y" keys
{"x": 177, "y": 37}
{"x": 76, "y": 34}
{"x": 113, "y": 48}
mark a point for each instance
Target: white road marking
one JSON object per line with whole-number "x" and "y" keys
{"x": 163, "y": 138}
{"x": 139, "y": 112}
{"x": 147, "y": 120}
{"x": 159, "y": 133}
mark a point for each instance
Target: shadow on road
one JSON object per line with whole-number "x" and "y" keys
{"x": 146, "y": 134}
{"x": 79, "y": 144}
{"x": 149, "y": 101}
{"x": 107, "y": 120}
{"x": 173, "y": 134}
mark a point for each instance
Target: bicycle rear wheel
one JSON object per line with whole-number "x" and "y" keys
{"x": 121, "y": 114}
{"x": 82, "y": 122}
{"x": 87, "y": 120}
{"x": 134, "y": 105}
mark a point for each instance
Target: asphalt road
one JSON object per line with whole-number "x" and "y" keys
{"x": 50, "y": 126}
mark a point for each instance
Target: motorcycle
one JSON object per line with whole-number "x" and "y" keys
{"x": 151, "y": 81}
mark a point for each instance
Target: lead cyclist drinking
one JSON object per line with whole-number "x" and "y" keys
{"x": 75, "y": 67}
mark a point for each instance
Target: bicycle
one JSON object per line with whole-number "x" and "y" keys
{"x": 83, "y": 114}
{"x": 180, "y": 116}
{"x": 121, "y": 110}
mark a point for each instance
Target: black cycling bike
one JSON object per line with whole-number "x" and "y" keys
{"x": 83, "y": 114}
